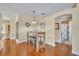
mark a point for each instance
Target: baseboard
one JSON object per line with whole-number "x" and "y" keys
{"x": 58, "y": 41}
{"x": 16, "y": 41}
{"x": 20, "y": 41}
{"x": 26, "y": 41}
{"x": 50, "y": 44}
{"x": 76, "y": 53}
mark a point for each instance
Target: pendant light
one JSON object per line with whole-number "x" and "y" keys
{"x": 34, "y": 22}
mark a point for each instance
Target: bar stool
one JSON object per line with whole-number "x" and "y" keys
{"x": 30, "y": 40}
{"x": 40, "y": 40}
{"x": 34, "y": 38}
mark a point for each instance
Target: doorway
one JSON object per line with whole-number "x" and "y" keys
{"x": 65, "y": 32}
{"x": 63, "y": 37}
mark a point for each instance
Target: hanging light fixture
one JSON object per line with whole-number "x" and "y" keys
{"x": 34, "y": 22}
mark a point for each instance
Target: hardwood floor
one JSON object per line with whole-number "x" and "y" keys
{"x": 11, "y": 48}
{"x": 63, "y": 49}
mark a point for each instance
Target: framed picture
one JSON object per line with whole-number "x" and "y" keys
{"x": 57, "y": 26}
{"x": 42, "y": 25}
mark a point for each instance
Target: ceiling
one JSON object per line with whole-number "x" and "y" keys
{"x": 10, "y": 10}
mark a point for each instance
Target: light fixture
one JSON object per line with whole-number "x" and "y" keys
{"x": 34, "y": 22}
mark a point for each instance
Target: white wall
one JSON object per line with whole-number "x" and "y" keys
{"x": 0, "y": 33}
{"x": 70, "y": 30}
{"x": 57, "y": 32}
{"x": 12, "y": 29}
{"x": 75, "y": 31}
{"x": 50, "y": 30}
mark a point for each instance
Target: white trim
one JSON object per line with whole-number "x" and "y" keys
{"x": 20, "y": 41}
{"x": 50, "y": 44}
{"x": 16, "y": 40}
{"x": 12, "y": 38}
{"x": 64, "y": 43}
{"x": 58, "y": 41}
{"x": 75, "y": 52}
